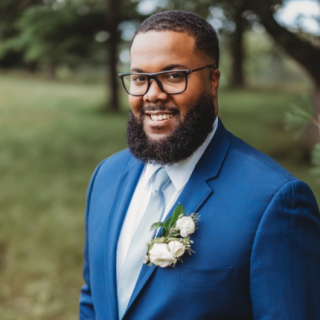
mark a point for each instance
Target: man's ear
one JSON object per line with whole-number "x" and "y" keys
{"x": 214, "y": 82}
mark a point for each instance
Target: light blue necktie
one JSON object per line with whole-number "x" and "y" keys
{"x": 137, "y": 251}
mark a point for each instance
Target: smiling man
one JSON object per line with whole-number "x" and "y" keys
{"x": 172, "y": 111}
{"x": 256, "y": 252}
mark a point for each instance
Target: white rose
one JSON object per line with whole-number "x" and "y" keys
{"x": 161, "y": 256}
{"x": 186, "y": 226}
{"x": 176, "y": 248}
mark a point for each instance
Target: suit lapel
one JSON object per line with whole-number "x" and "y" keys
{"x": 124, "y": 190}
{"x": 196, "y": 191}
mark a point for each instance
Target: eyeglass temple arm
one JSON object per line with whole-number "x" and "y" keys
{"x": 198, "y": 69}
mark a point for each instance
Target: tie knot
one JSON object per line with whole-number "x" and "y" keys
{"x": 162, "y": 180}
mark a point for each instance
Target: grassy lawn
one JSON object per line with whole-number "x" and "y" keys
{"x": 52, "y": 136}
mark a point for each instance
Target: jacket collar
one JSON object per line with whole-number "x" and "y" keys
{"x": 213, "y": 158}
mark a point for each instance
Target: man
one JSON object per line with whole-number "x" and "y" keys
{"x": 257, "y": 247}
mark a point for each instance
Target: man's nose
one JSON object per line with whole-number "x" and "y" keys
{"x": 154, "y": 93}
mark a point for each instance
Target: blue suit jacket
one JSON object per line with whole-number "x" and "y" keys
{"x": 257, "y": 246}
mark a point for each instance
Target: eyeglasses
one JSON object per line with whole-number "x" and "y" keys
{"x": 170, "y": 82}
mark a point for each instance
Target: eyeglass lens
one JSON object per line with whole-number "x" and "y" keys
{"x": 172, "y": 82}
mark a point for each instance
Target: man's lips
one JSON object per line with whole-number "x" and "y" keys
{"x": 160, "y": 113}
{"x": 160, "y": 116}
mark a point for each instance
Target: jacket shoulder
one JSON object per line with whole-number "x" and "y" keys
{"x": 111, "y": 167}
{"x": 257, "y": 163}
{"x": 118, "y": 161}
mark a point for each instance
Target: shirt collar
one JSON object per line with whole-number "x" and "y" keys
{"x": 180, "y": 172}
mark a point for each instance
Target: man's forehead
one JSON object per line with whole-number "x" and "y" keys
{"x": 168, "y": 47}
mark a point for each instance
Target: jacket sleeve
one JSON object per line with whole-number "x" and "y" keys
{"x": 86, "y": 311}
{"x": 285, "y": 260}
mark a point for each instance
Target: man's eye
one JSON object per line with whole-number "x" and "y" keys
{"x": 139, "y": 78}
{"x": 175, "y": 76}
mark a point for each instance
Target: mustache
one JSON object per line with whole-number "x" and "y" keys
{"x": 160, "y": 108}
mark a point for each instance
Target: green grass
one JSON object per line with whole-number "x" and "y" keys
{"x": 52, "y": 136}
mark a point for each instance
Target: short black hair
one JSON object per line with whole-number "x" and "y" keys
{"x": 206, "y": 38}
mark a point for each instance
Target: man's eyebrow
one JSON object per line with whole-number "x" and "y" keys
{"x": 168, "y": 67}
{"x": 174, "y": 66}
{"x": 136, "y": 70}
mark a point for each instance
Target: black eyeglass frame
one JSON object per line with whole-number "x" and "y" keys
{"x": 150, "y": 76}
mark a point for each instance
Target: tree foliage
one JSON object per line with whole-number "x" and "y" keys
{"x": 301, "y": 48}
{"x": 48, "y": 34}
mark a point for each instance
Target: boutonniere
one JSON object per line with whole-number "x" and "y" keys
{"x": 174, "y": 240}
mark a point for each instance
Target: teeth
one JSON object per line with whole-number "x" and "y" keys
{"x": 160, "y": 117}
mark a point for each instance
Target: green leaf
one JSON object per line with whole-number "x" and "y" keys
{"x": 158, "y": 240}
{"x": 172, "y": 239}
{"x": 165, "y": 230}
{"x": 175, "y": 234}
{"x": 157, "y": 225}
{"x": 168, "y": 223}
{"x": 177, "y": 212}
{"x": 162, "y": 225}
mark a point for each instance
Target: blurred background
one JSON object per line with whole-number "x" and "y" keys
{"x": 62, "y": 110}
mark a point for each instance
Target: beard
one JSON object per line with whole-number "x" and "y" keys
{"x": 181, "y": 143}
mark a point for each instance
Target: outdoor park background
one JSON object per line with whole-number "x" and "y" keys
{"x": 62, "y": 111}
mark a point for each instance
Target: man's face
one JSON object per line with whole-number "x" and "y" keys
{"x": 159, "y": 51}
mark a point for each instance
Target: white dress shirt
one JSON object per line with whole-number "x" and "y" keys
{"x": 179, "y": 174}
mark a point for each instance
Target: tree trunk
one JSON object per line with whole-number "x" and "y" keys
{"x": 52, "y": 71}
{"x": 301, "y": 50}
{"x": 306, "y": 54}
{"x": 113, "y": 19}
{"x": 237, "y": 51}
{"x": 32, "y": 67}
